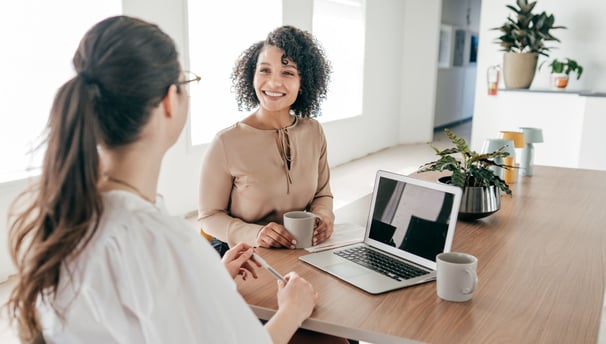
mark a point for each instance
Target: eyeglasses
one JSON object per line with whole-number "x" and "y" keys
{"x": 189, "y": 77}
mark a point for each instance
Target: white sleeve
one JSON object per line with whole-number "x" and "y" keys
{"x": 171, "y": 287}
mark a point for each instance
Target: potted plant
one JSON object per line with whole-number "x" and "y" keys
{"x": 471, "y": 172}
{"x": 560, "y": 71}
{"x": 523, "y": 39}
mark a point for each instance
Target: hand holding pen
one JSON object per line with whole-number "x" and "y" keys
{"x": 296, "y": 296}
{"x": 293, "y": 290}
{"x": 237, "y": 261}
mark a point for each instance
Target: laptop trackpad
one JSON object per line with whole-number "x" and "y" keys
{"x": 346, "y": 269}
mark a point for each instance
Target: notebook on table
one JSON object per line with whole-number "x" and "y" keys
{"x": 409, "y": 222}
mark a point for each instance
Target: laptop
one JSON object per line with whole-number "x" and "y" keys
{"x": 410, "y": 221}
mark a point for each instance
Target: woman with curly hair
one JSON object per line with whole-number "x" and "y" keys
{"x": 274, "y": 160}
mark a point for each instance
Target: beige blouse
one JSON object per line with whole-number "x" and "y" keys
{"x": 246, "y": 183}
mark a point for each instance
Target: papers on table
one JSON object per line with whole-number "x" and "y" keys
{"x": 343, "y": 234}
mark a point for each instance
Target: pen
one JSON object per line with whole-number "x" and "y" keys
{"x": 268, "y": 267}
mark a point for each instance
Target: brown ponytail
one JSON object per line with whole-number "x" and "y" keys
{"x": 65, "y": 202}
{"x": 124, "y": 66}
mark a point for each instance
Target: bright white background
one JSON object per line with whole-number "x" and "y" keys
{"x": 39, "y": 39}
{"x": 345, "y": 49}
{"x": 214, "y": 46}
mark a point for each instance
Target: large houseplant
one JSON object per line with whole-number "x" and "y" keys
{"x": 471, "y": 171}
{"x": 522, "y": 39}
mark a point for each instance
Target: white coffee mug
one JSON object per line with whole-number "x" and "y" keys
{"x": 457, "y": 276}
{"x": 301, "y": 225}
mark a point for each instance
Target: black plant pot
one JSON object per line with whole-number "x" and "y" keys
{"x": 477, "y": 201}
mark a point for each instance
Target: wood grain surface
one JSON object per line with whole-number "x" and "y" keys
{"x": 541, "y": 268}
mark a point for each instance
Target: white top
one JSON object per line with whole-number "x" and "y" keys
{"x": 147, "y": 277}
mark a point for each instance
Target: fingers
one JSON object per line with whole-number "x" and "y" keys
{"x": 282, "y": 283}
{"x": 250, "y": 268}
{"x": 237, "y": 259}
{"x": 287, "y": 278}
{"x": 243, "y": 261}
{"x": 243, "y": 273}
{"x": 274, "y": 235}
{"x": 236, "y": 251}
{"x": 297, "y": 294}
{"x": 323, "y": 231}
{"x": 292, "y": 278}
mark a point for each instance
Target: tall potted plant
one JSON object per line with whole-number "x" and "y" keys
{"x": 523, "y": 39}
{"x": 471, "y": 172}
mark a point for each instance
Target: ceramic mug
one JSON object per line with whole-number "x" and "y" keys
{"x": 457, "y": 276}
{"x": 301, "y": 225}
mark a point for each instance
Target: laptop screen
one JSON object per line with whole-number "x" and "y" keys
{"x": 412, "y": 216}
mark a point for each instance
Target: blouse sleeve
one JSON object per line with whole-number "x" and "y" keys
{"x": 323, "y": 199}
{"x": 216, "y": 183}
{"x": 177, "y": 290}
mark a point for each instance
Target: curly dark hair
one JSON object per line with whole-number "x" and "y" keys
{"x": 304, "y": 50}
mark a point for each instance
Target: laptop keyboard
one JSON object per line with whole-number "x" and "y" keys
{"x": 381, "y": 263}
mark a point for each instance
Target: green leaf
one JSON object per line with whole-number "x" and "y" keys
{"x": 470, "y": 168}
{"x": 525, "y": 31}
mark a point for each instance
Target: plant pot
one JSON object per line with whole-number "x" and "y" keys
{"x": 477, "y": 201}
{"x": 559, "y": 80}
{"x": 519, "y": 69}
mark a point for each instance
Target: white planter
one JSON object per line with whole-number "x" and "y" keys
{"x": 559, "y": 80}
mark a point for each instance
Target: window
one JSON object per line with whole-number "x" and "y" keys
{"x": 39, "y": 39}
{"x": 218, "y": 33}
{"x": 339, "y": 26}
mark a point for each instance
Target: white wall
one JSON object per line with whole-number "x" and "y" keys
{"x": 354, "y": 137}
{"x": 455, "y": 93}
{"x": 8, "y": 192}
{"x": 394, "y": 110}
{"x": 456, "y": 84}
{"x": 454, "y": 12}
{"x": 593, "y": 129}
{"x": 584, "y": 41}
{"x": 418, "y": 76}
{"x": 555, "y": 114}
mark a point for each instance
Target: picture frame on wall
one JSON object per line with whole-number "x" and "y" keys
{"x": 473, "y": 47}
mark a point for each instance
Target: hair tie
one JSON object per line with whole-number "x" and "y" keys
{"x": 87, "y": 77}
{"x": 92, "y": 85}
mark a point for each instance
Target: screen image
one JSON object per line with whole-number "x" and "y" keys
{"x": 411, "y": 217}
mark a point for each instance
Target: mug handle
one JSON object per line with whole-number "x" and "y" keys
{"x": 317, "y": 219}
{"x": 474, "y": 282}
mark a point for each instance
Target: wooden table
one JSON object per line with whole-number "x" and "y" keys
{"x": 542, "y": 274}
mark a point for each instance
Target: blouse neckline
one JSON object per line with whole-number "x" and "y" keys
{"x": 294, "y": 123}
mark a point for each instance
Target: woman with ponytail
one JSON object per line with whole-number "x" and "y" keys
{"x": 99, "y": 259}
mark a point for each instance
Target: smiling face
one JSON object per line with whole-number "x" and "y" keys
{"x": 276, "y": 83}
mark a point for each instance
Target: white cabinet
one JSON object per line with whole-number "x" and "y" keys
{"x": 572, "y": 124}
